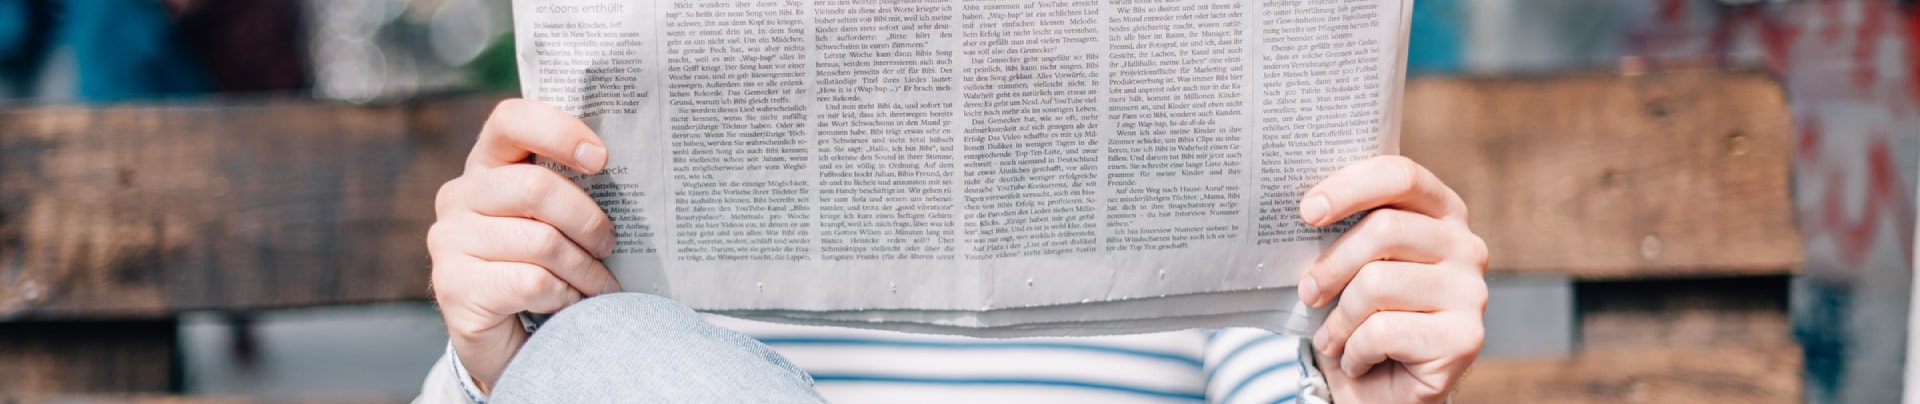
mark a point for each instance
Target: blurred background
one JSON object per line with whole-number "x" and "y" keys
{"x": 1687, "y": 200}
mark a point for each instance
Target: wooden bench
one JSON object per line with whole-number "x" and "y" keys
{"x": 1663, "y": 196}
{"x": 113, "y": 220}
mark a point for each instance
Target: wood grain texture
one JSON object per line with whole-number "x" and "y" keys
{"x": 1660, "y": 175}
{"x": 1722, "y": 340}
{"x": 144, "y": 211}
{"x": 238, "y": 204}
{"x": 1726, "y": 374}
{"x": 148, "y": 210}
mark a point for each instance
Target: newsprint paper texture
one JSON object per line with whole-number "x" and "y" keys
{"x": 973, "y": 167}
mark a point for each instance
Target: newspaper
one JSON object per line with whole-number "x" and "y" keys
{"x": 976, "y": 167}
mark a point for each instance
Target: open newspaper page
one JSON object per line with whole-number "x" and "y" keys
{"x": 984, "y": 167}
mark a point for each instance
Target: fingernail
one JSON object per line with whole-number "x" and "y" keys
{"x": 590, "y": 155}
{"x": 605, "y": 249}
{"x": 1310, "y": 292}
{"x": 1352, "y": 370}
{"x": 612, "y": 287}
{"x": 1320, "y": 341}
{"x": 1314, "y": 209}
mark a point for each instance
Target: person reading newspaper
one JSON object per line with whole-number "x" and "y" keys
{"x": 1406, "y": 285}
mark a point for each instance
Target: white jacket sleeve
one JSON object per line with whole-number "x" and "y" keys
{"x": 447, "y": 383}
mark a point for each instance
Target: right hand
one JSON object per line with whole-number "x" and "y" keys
{"x": 510, "y": 236}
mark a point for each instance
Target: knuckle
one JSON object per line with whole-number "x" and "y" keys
{"x": 1471, "y": 349}
{"x": 1341, "y": 335}
{"x": 1374, "y": 275}
{"x": 1387, "y": 223}
{"x": 437, "y": 282}
{"x": 1477, "y": 293}
{"x": 1475, "y": 338}
{"x": 1356, "y": 318}
{"x": 1361, "y": 336}
{"x": 530, "y": 284}
{"x": 503, "y": 113}
{"x": 1337, "y": 324}
{"x": 444, "y": 198}
{"x": 1465, "y": 214}
{"x": 1405, "y": 173}
{"x": 507, "y": 109}
{"x": 531, "y": 183}
{"x": 568, "y": 259}
{"x": 541, "y": 241}
{"x": 1462, "y": 338}
{"x": 438, "y": 235}
{"x": 1475, "y": 252}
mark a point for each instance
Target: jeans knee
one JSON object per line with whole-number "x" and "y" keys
{"x": 632, "y": 309}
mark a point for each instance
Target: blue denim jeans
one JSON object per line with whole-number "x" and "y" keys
{"x": 632, "y": 347}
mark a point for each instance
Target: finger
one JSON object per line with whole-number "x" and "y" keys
{"x": 535, "y": 288}
{"x": 526, "y": 241}
{"x": 1387, "y": 234}
{"x": 519, "y": 129}
{"x": 1433, "y": 359}
{"x": 533, "y": 192}
{"x": 1390, "y": 286}
{"x": 493, "y": 292}
{"x": 1380, "y": 182}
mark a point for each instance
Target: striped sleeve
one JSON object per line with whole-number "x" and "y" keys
{"x": 866, "y": 366}
{"x": 1246, "y": 365}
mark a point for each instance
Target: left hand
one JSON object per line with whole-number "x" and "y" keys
{"x": 1410, "y": 282}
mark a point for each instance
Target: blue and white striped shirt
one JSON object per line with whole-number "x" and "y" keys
{"x": 1228, "y": 366}
{"x": 865, "y": 366}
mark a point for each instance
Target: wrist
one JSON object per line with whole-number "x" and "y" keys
{"x": 475, "y": 390}
{"x": 483, "y": 356}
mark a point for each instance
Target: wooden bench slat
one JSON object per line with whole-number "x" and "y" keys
{"x": 149, "y": 210}
{"x": 1662, "y": 175}
{"x": 1728, "y": 374}
{"x": 1725, "y": 340}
